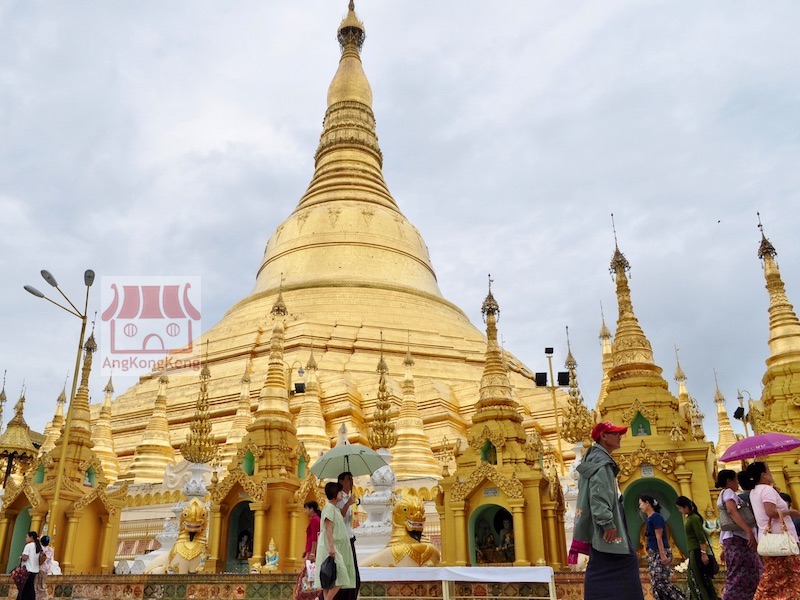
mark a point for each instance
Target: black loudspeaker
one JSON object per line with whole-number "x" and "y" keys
{"x": 541, "y": 379}
{"x": 563, "y": 378}
{"x": 738, "y": 413}
{"x": 299, "y": 388}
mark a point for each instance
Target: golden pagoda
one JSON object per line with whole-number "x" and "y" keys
{"x": 498, "y": 496}
{"x": 104, "y": 439}
{"x": 242, "y": 420}
{"x": 84, "y": 522}
{"x": 412, "y": 457}
{"x": 662, "y": 454}
{"x": 154, "y": 452}
{"x": 778, "y": 410}
{"x": 52, "y": 430}
{"x": 311, "y": 428}
{"x": 726, "y": 437}
{"x": 607, "y": 358}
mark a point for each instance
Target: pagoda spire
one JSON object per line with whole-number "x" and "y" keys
{"x": 104, "y": 437}
{"x": 81, "y": 427}
{"x": 242, "y": 419}
{"x": 495, "y": 400}
{"x": 607, "y": 357}
{"x": 52, "y": 431}
{"x": 680, "y": 377}
{"x": 273, "y": 400}
{"x": 200, "y": 447}
{"x": 413, "y": 457}
{"x": 311, "y": 427}
{"x": 726, "y": 436}
{"x": 578, "y": 420}
{"x": 784, "y": 326}
{"x": 382, "y": 432}
{"x": 155, "y": 451}
{"x": 633, "y": 354}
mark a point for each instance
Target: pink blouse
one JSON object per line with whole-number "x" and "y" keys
{"x": 766, "y": 493}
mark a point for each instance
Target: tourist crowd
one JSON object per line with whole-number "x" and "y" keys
{"x": 758, "y": 535}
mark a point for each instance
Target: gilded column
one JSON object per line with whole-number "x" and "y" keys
{"x": 552, "y": 558}
{"x": 213, "y": 538}
{"x": 69, "y": 551}
{"x": 293, "y": 560}
{"x": 259, "y": 533}
{"x": 535, "y": 508}
{"x": 106, "y": 529}
{"x": 518, "y": 516}
{"x": 459, "y": 509}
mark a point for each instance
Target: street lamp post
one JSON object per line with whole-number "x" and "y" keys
{"x": 740, "y": 412}
{"x": 88, "y": 280}
{"x": 549, "y": 353}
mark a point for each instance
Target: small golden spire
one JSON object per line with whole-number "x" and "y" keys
{"x": 726, "y": 437}
{"x": 680, "y": 376}
{"x": 311, "y": 426}
{"x": 3, "y": 397}
{"x": 605, "y": 334}
{"x": 104, "y": 438}
{"x": 619, "y": 264}
{"x": 17, "y": 436}
{"x": 200, "y": 446}
{"x": 578, "y": 420}
{"x": 382, "y": 432}
{"x": 52, "y": 430}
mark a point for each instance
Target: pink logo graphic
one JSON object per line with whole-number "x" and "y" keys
{"x": 147, "y": 316}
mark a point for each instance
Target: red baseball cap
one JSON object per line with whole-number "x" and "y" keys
{"x": 606, "y": 427}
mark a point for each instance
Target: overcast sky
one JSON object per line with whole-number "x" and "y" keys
{"x": 172, "y": 138}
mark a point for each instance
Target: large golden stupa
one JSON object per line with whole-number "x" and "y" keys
{"x": 356, "y": 280}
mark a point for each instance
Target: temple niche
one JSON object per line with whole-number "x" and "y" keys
{"x": 503, "y": 503}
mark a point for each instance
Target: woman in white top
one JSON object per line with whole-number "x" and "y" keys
{"x": 779, "y": 580}
{"x": 30, "y": 558}
{"x": 739, "y": 547}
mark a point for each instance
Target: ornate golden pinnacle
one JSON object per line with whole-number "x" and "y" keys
{"x": 200, "y": 446}
{"x": 382, "y": 432}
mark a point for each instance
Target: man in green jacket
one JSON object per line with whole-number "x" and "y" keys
{"x": 613, "y": 570}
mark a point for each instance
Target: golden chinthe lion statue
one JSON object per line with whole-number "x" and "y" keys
{"x": 187, "y": 553}
{"x": 405, "y": 548}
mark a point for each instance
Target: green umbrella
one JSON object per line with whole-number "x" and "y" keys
{"x": 355, "y": 458}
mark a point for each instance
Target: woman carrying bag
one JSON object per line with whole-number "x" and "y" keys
{"x": 774, "y": 518}
{"x": 334, "y": 542}
{"x": 304, "y": 589}
{"x": 702, "y": 565}
{"x": 743, "y": 565}
{"x": 30, "y": 558}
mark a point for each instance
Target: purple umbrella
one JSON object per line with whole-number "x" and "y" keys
{"x": 760, "y": 445}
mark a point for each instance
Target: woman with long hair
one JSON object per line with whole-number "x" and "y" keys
{"x": 304, "y": 590}
{"x": 30, "y": 558}
{"x": 779, "y": 580}
{"x": 659, "y": 554}
{"x": 699, "y": 577}
{"x": 333, "y": 541}
{"x": 44, "y": 568}
{"x": 743, "y": 564}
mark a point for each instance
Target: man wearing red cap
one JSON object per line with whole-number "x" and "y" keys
{"x": 613, "y": 570}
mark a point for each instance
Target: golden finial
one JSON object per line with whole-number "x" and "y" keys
{"x": 311, "y": 365}
{"x": 679, "y": 374}
{"x": 718, "y": 397}
{"x": 409, "y": 360}
{"x": 279, "y": 308}
{"x": 200, "y": 446}
{"x": 3, "y": 397}
{"x": 351, "y": 30}
{"x": 766, "y": 247}
{"x": 618, "y": 261}
{"x": 490, "y": 305}
{"x": 605, "y": 334}
{"x": 109, "y": 389}
{"x": 382, "y": 433}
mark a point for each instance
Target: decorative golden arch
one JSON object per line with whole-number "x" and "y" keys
{"x": 477, "y": 442}
{"x": 638, "y": 407}
{"x": 220, "y": 491}
{"x": 13, "y": 491}
{"x": 628, "y": 463}
{"x": 310, "y": 483}
{"x": 511, "y": 487}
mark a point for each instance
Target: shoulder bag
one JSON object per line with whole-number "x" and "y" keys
{"x": 726, "y": 523}
{"x": 19, "y": 576}
{"x": 777, "y": 544}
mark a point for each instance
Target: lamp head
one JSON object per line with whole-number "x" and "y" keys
{"x": 88, "y": 277}
{"x": 48, "y": 277}
{"x": 32, "y": 290}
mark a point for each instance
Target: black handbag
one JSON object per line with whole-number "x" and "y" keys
{"x": 327, "y": 573}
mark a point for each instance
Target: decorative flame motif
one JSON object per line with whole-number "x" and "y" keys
{"x": 200, "y": 446}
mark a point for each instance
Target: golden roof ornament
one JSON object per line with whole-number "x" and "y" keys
{"x": 17, "y": 436}
{"x": 604, "y": 334}
{"x": 578, "y": 420}
{"x": 200, "y": 446}
{"x": 490, "y": 305}
{"x": 3, "y": 398}
{"x": 351, "y": 31}
{"x": 765, "y": 248}
{"x": 382, "y": 432}
{"x": 52, "y": 430}
{"x": 619, "y": 264}
{"x": 726, "y": 437}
